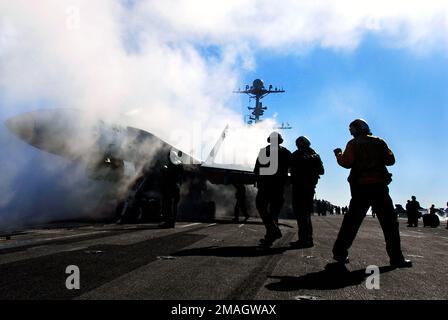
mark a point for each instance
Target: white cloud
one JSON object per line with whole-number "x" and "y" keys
{"x": 293, "y": 24}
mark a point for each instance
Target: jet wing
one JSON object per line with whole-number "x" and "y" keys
{"x": 219, "y": 175}
{"x": 69, "y": 133}
{"x": 103, "y": 146}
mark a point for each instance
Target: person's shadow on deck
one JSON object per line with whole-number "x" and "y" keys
{"x": 322, "y": 280}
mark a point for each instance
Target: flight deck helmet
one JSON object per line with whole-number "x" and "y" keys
{"x": 359, "y": 127}
{"x": 303, "y": 141}
{"x": 276, "y": 135}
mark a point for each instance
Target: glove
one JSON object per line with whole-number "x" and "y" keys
{"x": 337, "y": 151}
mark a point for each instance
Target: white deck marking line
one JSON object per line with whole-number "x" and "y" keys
{"x": 419, "y": 232}
{"x": 212, "y": 224}
{"x": 73, "y": 236}
{"x": 190, "y": 225}
{"x": 410, "y": 235}
{"x": 241, "y": 225}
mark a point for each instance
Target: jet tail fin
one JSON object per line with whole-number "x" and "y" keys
{"x": 214, "y": 151}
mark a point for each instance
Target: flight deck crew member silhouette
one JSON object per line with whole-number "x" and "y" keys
{"x": 431, "y": 219}
{"x": 446, "y": 211}
{"x": 407, "y": 213}
{"x": 306, "y": 166}
{"x": 171, "y": 179}
{"x": 367, "y": 157}
{"x": 412, "y": 211}
{"x": 240, "y": 204}
{"x": 271, "y": 171}
{"x": 446, "y": 214}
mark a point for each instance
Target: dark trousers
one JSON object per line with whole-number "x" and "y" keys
{"x": 240, "y": 205}
{"x": 364, "y": 196}
{"x": 413, "y": 218}
{"x": 302, "y": 205}
{"x": 269, "y": 202}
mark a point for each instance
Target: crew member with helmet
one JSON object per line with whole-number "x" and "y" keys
{"x": 367, "y": 156}
{"x": 306, "y": 167}
{"x": 271, "y": 171}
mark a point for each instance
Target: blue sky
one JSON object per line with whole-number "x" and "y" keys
{"x": 403, "y": 96}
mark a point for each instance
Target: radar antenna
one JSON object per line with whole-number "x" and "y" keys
{"x": 258, "y": 91}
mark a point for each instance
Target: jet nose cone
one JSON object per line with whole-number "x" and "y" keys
{"x": 22, "y": 126}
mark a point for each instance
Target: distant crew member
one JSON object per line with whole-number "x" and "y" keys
{"x": 171, "y": 179}
{"x": 412, "y": 210}
{"x": 432, "y": 210}
{"x": 306, "y": 167}
{"x": 240, "y": 204}
{"x": 431, "y": 219}
{"x": 271, "y": 171}
{"x": 407, "y": 213}
{"x": 367, "y": 157}
{"x": 446, "y": 215}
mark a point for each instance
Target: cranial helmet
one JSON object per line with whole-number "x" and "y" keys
{"x": 275, "y": 135}
{"x": 359, "y": 127}
{"x": 303, "y": 140}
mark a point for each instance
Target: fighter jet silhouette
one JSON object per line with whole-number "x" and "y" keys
{"x": 113, "y": 152}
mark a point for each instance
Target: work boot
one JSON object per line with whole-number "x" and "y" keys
{"x": 401, "y": 263}
{"x": 341, "y": 259}
{"x": 337, "y": 267}
{"x": 268, "y": 240}
{"x": 302, "y": 244}
{"x": 166, "y": 225}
